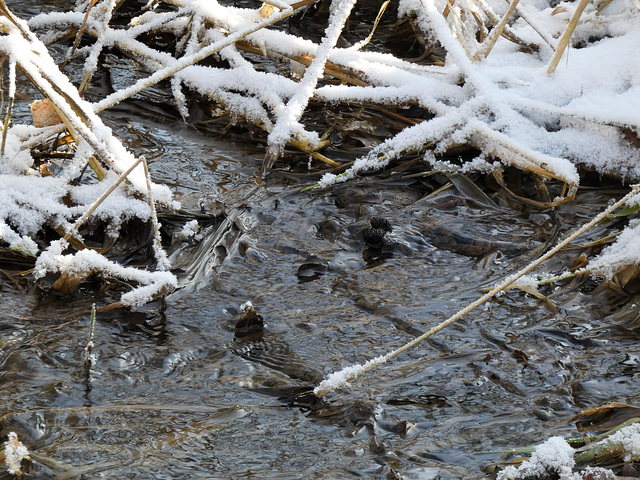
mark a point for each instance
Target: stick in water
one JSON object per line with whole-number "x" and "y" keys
{"x": 348, "y": 374}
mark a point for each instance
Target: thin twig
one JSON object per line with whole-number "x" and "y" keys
{"x": 187, "y": 61}
{"x": 364, "y": 42}
{"x": 160, "y": 254}
{"x": 12, "y": 90}
{"x": 102, "y": 198}
{"x": 488, "y": 44}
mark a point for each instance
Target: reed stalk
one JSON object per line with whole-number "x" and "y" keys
{"x": 488, "y": 44}
{"x": 12, "y": 90}
{"x": 99, "y": 201}
{"x": 160, "y": 254}
{"x": 566, "y": 36}
{"x": 189, "y": 60}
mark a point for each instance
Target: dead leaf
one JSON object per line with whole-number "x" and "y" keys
{"x": 67, "y": 283}
{"x": 266, "y": 10}
{"x": 623, "y": 277}
{"x": 44, "y": 113}
{"x": 605, "y": 417}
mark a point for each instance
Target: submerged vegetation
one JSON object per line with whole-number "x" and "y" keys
{"x": 524, "y": 100}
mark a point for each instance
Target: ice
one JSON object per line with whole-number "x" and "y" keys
{"x": 342, "y": 377}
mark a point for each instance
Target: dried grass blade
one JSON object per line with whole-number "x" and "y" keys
{"x": 79, "y": 34}
{"x": 488, "y": 45}
{"x": 99, "y": 201}
{"x": 92, "y": 60}
{"x": 4, "y": 10}
{"x": 566, "y": 36}
{"x": 161, "y": 256}
{"x": 7, "y": 117}
{"x": 364, "y": 42}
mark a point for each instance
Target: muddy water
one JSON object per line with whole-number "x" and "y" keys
{"x": 192, "y": 388}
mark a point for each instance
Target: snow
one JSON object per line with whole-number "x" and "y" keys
{"x": 342, "y": 377}
{"x": 553, "y": 456}
{"x": 624, "y": 251}
{"x": 189, "y": 229}
{"x": 288, "y": 117}
{"x": 504, "y": 102}
{"x": 85, "y": 262}
{"x": 627, "y": 437}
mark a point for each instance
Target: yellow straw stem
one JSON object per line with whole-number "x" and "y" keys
{"x": 566, "y": 36}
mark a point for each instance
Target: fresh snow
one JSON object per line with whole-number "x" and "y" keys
{"x": 555, "y": 456}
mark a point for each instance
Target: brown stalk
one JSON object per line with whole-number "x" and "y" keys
{"x": 330, "y": 68}
{"x": 80, "y": 33}
{"x": 97, "y": 203}
{"x": 566, "y": 36}
{"x": 488, "y": 45}
{"x": 4, "y": 10}
{"x": 494, "y": 19}
{"x": 375, "y": 25}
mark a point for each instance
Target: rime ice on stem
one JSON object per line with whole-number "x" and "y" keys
{"x": 289, "y": 116}
{"x": 14, "y": 453}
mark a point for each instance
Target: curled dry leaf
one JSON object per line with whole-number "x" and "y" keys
{"x": 605, "y": 417}
{"x": 266, "y": 10}
{"x": 68, "y": 283}
{"x": 44, "y": 113}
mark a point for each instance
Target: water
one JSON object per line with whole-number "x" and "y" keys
{"x": 172, "y": 395}
{"x": 179, "y": 390}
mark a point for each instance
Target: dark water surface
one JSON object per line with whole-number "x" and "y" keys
{"x": 178, "y": 392}
{"x": 192, "y": 389}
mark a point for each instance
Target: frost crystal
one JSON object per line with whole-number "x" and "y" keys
{"x": 14, "y": 453}
{"x": 190, "y": 229}
{"x": 344, "y": 376}
{"x": 629, "y": 439}
{"x": 555, "y": 456}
